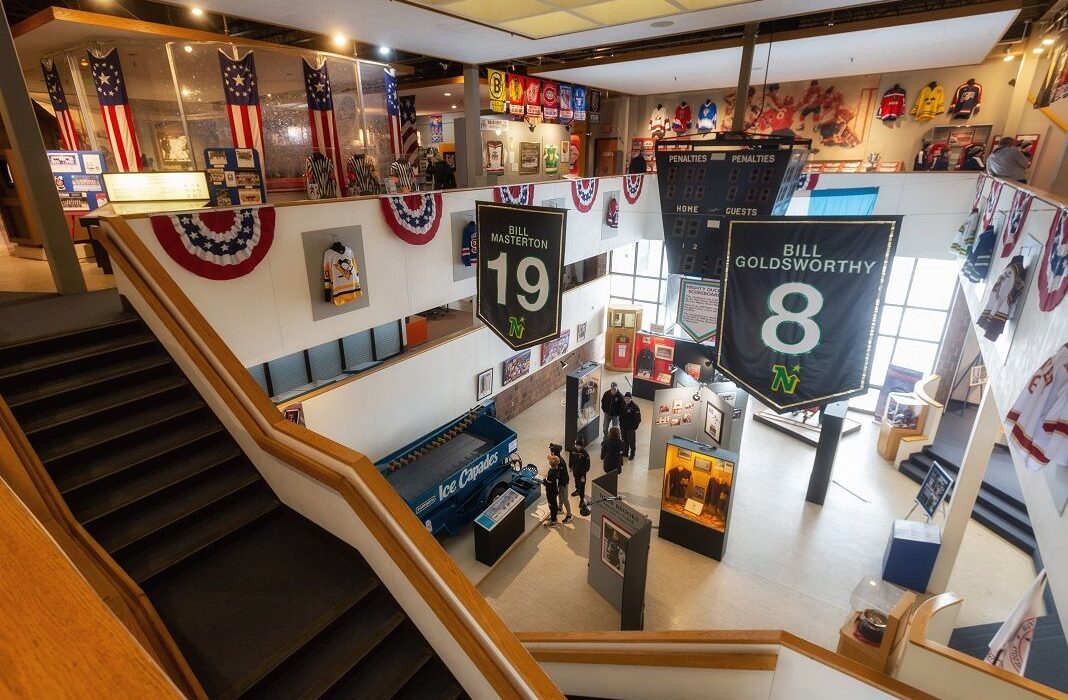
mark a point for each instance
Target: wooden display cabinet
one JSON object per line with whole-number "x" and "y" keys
{"x": 624, "y": 322}
{"x": 905, "y": 416}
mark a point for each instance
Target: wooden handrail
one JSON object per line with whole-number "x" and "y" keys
{"x": 495, "y": 651}
{"x": 28, "y": 477}
{"x": 918, "y": 636}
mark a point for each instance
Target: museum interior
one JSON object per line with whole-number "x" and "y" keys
{"x": 443, "y": 349}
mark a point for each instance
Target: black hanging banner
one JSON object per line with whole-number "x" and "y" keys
{"x": 801, "y": 303}
{"x": 520, "y": 266}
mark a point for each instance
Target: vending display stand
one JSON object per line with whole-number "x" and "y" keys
{"x": 624, "y": 321}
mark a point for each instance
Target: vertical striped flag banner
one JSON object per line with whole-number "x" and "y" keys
{"x": 242, "y": 101}
{"x": 56, "y": 94}
{"x": 409, "y": 150}
{"x": 321, "y": 114}
{"x": 115, "y": 108}
{"x": 1011, "y": 645}
{"x": 393, "y": 113}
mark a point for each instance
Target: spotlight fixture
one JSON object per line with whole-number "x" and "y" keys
{"x": 447, "y": 94}
{"x": 1008, "y": 58}
{"x": 1037, "y": 50}
{"x": 1049, "y": 41}
{"x": 452, "y": 106}
{"x": 340, "y": 40}
{"x": 188, "y": 48}
{"x": 384, "y": 50}
{"x": 196, "y": 11}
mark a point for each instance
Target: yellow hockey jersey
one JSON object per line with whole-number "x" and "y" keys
{"x": 929, "y": 103}
{"x": 341, "y": 276}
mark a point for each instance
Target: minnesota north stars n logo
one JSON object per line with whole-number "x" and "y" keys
{"x": 516, "y": 327}
{"x": 782, "y": 380}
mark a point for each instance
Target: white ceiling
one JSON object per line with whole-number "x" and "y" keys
{"x": 950, "y": 42}
{"x": 419, "y": 30}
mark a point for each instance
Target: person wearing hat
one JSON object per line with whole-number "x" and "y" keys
{"x": 629, "y": 420}
{"x": 611, "y": 407}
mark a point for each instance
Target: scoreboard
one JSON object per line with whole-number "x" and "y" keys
{"x": 707, "y": 181}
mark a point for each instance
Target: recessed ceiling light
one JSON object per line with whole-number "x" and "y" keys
{"x": 452, "y": 106}
{"x": 1048, "y": 41}
{"x": 384, "y": 50}
{"x": 1037, "y": 49}
{"x": 662, "y": 23}
{"x": 340, "y": 40}
{"x": 1008, "y": 58}
{"x": 197, "y": 12}
{"x": 447, "y": 94}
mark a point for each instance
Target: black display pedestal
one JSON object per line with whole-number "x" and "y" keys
{"x": 499, "y": 527}
{"x": 691, "y": 535}
{"x": 831, "y": 422}
{"x": 587, "y": 378}
{"x": 645, "y": 389}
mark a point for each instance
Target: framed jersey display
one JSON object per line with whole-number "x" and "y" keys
{"x": 520, "y": 268}
{"x": 800, "y": 306}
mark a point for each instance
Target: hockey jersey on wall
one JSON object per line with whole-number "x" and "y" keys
{"x": 404, "y": 175}
{"x": 1038, "y": 421}
{"x": 977, "y": 264}
{"x": 362, "y": 175}
{"x": 962, "y": 243}
{"x": 966, "y": 100}
{"x": 683, "y": 118}
{"x": 494, "y": 157}
{"x": 929, "y": 103}
{"x": 658, "y": 121}
{"x": 1002, "y": 297}
{"x": 341, "y": 276}
{"x": 469, "y": 245}
{"x": 706, "y": 117}
{"x": 892, "y": 105}
{"x": 319, "y": 178}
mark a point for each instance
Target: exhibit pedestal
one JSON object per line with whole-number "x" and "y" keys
{"x": 853, "y": 645}
{"x": 498, "y": 527}
{"x": 911, "y": 553}
{"x": 831, "y": 421}
{"x": 905, "y": 416}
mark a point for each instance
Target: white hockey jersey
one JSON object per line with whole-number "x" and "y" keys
{"x": 341, "y": 276}
{"x": 494, "y": 157}
{"x": 1038, "y": 421}
{"x": 658, "y": 121}
{"x": 965, "y": 237}
{"x": 1002, "y": 298}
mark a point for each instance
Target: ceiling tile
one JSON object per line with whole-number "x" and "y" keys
{"x": 613, "y": 12}
{"x": 549, "y": 24}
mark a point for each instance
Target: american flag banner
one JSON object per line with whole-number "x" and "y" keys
{"x": 321, "y": 114}
{"x": 242, "y": 101}
{"x": 59, "y": 104}
{"x": 393, "y": 113}
{"x": 409, "y": 134}
{"x": 115, "y": 108}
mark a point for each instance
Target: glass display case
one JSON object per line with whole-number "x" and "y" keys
{"x": 583, "y": 404}
{"x": 696, "y": 495}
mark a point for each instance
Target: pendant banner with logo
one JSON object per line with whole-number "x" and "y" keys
{"x": 699, "y": 308}
{"x": 1010, "y": 232}
{"x": 550, "y": 100}
{"x": 563, "y": 96}
{"x": 1053, "y": 268}
{"x": 532, "y": 96}
{"x": 498, "y": 90}
{"x": 516, "y": 95}
{"x": 520, "y": 269}
{"x": 800, "y": 305}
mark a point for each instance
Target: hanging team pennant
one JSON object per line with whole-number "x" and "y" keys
{"x": 242, "y": 101}
{"x": 1053, "y": 270}
{"x": 321, "y": 114}
{"x": 1021, "y": 205}
{"x": 532, "y": 96}
{"x": 115, "y": 108}
{"x": 498, "y": 90}
{"x": 516, "y": 95}
{"x": 584, "y": 193}
{"x": 991, "y": 205}
{"x": 414, "y": 218}
{"x": 1011, "y": 645}
{"x": 563, "y": 96}
{"x": 67, "y": 133}
{"x": 632, "y": 187}
{"x": 578, "y": 101}
{"x": 978, "y": 192}
{"x": 550, "y": 105}
{"x": 514, "y": 194}
{"x": 219, "y": 245}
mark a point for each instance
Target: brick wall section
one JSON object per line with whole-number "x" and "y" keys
{"x": 957, "y": 327}
{"x": 518, "y": 397}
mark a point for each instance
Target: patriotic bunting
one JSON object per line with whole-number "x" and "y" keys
{"x": 808, "y": 181}
{"x": 632, "y": 187}
{"x": 56, "y": 94}
{"x": 1021, "y": 205}
{"x": 1053, "y": 270}
{"x": 514, "y": 194}
{"x": 991, "y": 205}
{"x": 584, "y": 193}
{"x": 242, "y": 101}
{"x": 115, "y": 108}
{"x": 321, "y": 114}
{"x": 414, "y": 218}
{"x": 220, "y": 245}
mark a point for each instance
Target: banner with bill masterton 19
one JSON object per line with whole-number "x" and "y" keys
{"x": 801, "y": 304}
{"x": 520, "y": 266}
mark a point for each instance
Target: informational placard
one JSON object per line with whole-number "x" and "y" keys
{"x": 520, "y": 267}
{"x": 699, "y": 308}
{"x": 619, "y": 551}
{"x": 234, "y": 176}
{"x": 497, "y": 510}
{"x": 801, "y": 305}
{"x": 157, "y": 187}
{"x": 79, "y": 180}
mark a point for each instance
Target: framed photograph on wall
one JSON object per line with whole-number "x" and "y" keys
{"x": 484, "y": 385}
{"x": 515, "y": 367}
{"x": 714, "y": 422}
{"x": 580, "y": 333}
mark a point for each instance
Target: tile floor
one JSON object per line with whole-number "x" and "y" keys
{"x": 788, "y": 565}
{"x": 23, "y": 275}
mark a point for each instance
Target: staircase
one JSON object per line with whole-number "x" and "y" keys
{"x": 1045, "y": 663}
{"x": 262, "y": 602}
{"x": 999, "y": 511}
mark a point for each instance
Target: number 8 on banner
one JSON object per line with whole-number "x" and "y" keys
{"x": 810, "y": 330}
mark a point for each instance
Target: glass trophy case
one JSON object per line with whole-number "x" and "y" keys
{"x": 696, "y": 495}
{"x": 583, "y": 404}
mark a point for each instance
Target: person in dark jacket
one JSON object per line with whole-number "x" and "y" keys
{"x": 612, "y": 451}
{"x": 562, "y": 481}
{"x": 611, "y": 407}
{"x": 637, "y": 165}
{"x": 552, "y": 489}
{"x": 629, "y": 420}
{"x": 444, "y": 176}
{"x": 579, "y": 463}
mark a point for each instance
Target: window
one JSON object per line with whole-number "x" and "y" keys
{"x": 639, "y": 276}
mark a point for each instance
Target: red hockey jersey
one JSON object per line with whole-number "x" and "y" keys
{"x": 892, "y": 105}
{"x": 683, "y": 119}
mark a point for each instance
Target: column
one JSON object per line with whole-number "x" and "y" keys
{"x": 741, "y": 100}
{"x": 959, "y": 510}
{"x": 471, "y": 139}
{"x": 43, "y": 211}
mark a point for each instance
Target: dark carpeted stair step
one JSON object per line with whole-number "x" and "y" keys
{"x": 199, "y": 536}
{"x": 389, "y": 669}
{"x": 38, "y": 367}
{"x": 85, "y": 479}
{"x": 1025, "y": 540}
{"x": 433, "y": 682}
{"x": 11, "y": 355}
{"x": 1008, "y": 512}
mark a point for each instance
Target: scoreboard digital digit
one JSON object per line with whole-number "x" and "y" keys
{"x": 707, "y": 180}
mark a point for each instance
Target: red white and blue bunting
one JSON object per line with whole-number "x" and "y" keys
{"x": 514, "y": 194}
{"x": 219, "y": 245}
{"x": 808, "y": 181}
{"x": 413, "y": 217}
{"x": 1010, "y": 233}
{"x": 1053, "y": 270}
{"x": 991, "y": 205}
{"x": 584, "y": 193}
{"x": 632, "y": 187}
